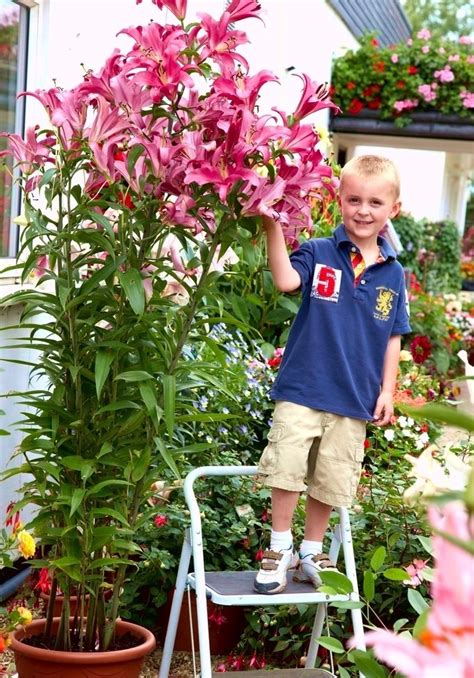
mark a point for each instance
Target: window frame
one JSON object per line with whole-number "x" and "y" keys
{"x": 20, "y": 113}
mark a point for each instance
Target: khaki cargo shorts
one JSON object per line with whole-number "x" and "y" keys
{"x": 315, "y": 451}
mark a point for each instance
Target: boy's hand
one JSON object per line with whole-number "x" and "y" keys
{"x": 383, "y": 409}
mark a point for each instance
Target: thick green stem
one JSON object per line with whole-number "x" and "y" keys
{"x": 192, "y": 309}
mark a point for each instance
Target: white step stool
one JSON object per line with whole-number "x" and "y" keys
{"x": 236, "y": 588}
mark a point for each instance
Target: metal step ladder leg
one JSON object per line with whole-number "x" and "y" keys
{"x": 349, "y": 560}
{"x": 181, "y": 580}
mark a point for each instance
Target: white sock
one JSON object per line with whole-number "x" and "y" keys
{"x": 309, "y": 547}
{"x": 280, "y": 541}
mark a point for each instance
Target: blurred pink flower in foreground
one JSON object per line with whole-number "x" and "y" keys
{"x": 444, "y": 646}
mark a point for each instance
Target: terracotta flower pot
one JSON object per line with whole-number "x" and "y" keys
{"x": 35, "y": 662}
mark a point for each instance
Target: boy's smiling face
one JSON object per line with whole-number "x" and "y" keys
{"x": 366, "y": 203}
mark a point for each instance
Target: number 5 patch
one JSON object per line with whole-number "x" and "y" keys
{"x": 326, "y": 283}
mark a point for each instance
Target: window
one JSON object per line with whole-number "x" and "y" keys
{"x": 13, "y": 47}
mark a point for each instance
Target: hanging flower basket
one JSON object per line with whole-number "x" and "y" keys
{"x": 396, "y": 83}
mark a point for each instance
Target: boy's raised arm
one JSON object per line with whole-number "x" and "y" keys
{"x": 285, "y": 277}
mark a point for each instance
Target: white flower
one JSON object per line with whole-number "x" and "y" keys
{"x": 422, "y": 441}
{"x": 389, "y": 434}
{"x": 410, "y": 421}
{"x": 405, "y": 356}
{"x": 402, "y": 421}
{"x": 454, "y": 307}
{"x": 432, "y": 477}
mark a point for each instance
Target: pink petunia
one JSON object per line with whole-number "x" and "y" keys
{"x": 424, "y": 34}
{"x": 415, "y": 570}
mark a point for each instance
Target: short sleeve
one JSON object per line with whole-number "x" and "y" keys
{"x": 402, "y": 318}
{"x": 303, "y": 261}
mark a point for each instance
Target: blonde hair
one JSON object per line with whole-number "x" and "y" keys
{"x": 372, "y": 166}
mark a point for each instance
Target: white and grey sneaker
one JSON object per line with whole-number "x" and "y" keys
{"x": 311, "y": 565}
{"x": 271, "y": 578}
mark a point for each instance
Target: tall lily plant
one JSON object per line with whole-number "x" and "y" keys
{"x": 145, "y": 175}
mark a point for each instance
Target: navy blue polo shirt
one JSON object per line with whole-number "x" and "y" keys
{"x": 334, "y": 356}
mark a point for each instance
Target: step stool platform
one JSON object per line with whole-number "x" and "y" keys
{"x": 236, "y": 588}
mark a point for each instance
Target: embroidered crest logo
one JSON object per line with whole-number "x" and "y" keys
{"x": 384, "y": 303}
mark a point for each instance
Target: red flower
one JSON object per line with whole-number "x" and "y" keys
{"x": 264, "y": 517}
{"x": 375, "y": 42}
{"x": 412, "y": 70}
{"x": 237, "y": 663}
{"x": 217, "y": 617}
{"x": 160, "y": 520}
{"x": 125, "y": 200}
{"x": 379, "y": 66}
{"x": 400, "y": 84}
{"x": 44, "y": 582}
{"x": 13, "y": 517}
{"x": 256, "y": 662}
{"x": 355, "y": 107}
{"x": 375, "y": 103}
{"x": 371, "y": 90}
{"x": 275, "y": 360}
{"x": 259, "y": 555}
{"x": 420, "y": 349}
{"x": 350, "y": 85}
{"x": 366, "y": 444}
{"x": 424, "y": 428}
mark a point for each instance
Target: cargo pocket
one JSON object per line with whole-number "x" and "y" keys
{"x": 359, "y": 455}
{"x": 269, "y": 459}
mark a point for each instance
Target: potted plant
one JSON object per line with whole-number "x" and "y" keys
{"x": 136, "y": 186}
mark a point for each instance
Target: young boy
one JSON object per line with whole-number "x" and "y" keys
{"x": 339, "y": 367}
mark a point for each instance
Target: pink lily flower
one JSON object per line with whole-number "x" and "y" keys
{"x": 177, "y": 212}
{"x": 109, "y": 124}
{"x": 170, "y": 249}
{"x": 242, "y": 89}
{"x": 263, "y": 198}
{"x": 243, "y": 9}
{"x": 221, "y": 173}
{"x": 42, "y": 265}
{"x": 30, "y": 153}
{"x": 219, "y": 43}
{"x": 315, "y": 97}
{"x": 177, "y": 7}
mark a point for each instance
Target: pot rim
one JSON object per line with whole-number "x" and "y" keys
{"x": 58, "y": 656}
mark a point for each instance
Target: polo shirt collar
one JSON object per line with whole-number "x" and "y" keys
{"x": 343, "y": 240}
